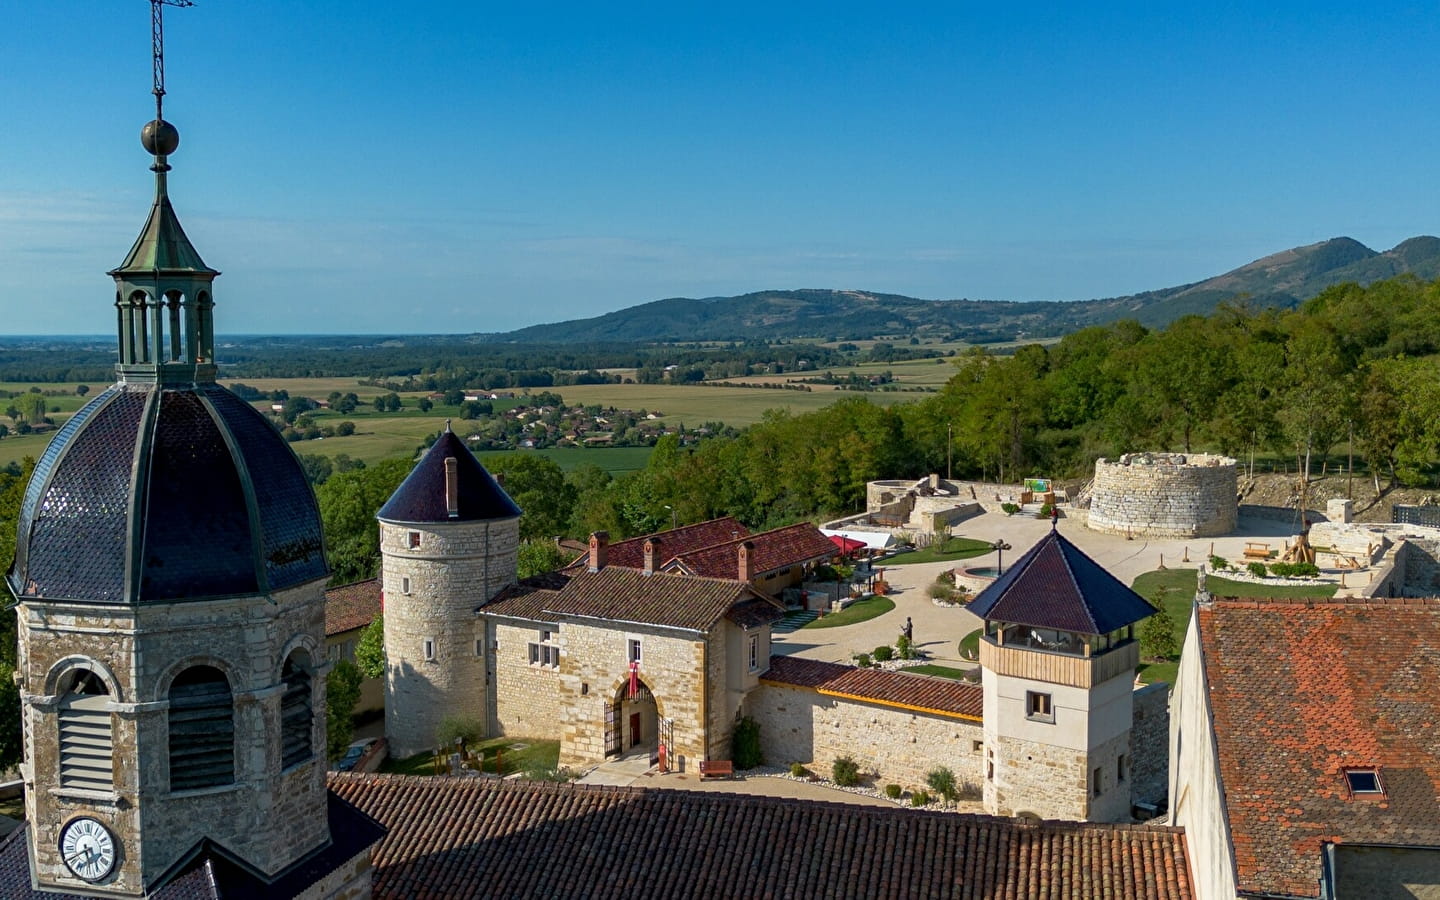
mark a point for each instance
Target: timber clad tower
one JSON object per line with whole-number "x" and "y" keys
{"x": 170, "y": 575}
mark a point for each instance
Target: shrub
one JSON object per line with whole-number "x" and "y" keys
{"x": 1010, "y": 509}
{"x": 745, "y": 744}
{"x": 905, "y": 648}
{"x": 893, "y": 791}
{"x": 467, "y": 729}
{"x": 947, "y": 577}
{"x": 1306, "y": 570}
{"x": 1157, "y": 634}
{"x": 1219, "y": 564}
{"x": 798, "y": 770}
{"x": 942, "y": 781}
{"x": 845, "y": 772}
{"x": 884, "y": 653}
{"x": 919, "y": 798}
{"x": 1045, "y": 512}
{"x": 1256, "y": 568}
{"x": 862, "y": 660}
{"x": 939, "y": 590}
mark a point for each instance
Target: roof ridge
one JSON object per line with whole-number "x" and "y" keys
{"x": 1059, "y": 546}
{"x": 1325, "y": 602}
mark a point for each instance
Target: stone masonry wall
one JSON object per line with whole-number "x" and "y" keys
{"x": 527, "y": 696}
{"x": 1164, "y": 495}
{"x": 1150, "y": 744}
{"x": 901, "y": 746}
{"x": 268, "y": 816}
{"x": 456, "y": 567}
{"x": 1037, "y": 779}
{"x": 594, "y": 667}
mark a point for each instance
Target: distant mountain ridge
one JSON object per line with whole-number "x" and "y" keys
{"x": 1283, "y": 279}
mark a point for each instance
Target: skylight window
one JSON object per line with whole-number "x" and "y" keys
{"x": 1364, "y": 781}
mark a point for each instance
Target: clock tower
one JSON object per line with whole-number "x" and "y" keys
{"x": 170, "y": 573}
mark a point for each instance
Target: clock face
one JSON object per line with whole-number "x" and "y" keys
{"x": 88, "y": 848}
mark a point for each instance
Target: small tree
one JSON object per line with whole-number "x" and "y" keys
{"x": 745, "y": 744}
{"x": 370, "y": 650}
{"x": 942, "y": 781}
{"x": 884, "y": 653}
{"x": 342, "y": 692}
{"x": 466, "y": 729}
{"x": 1157, "y": 635}
{"x": 537, "y": 557}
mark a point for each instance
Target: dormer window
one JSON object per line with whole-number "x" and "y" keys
{"x": 1364, "y": 781}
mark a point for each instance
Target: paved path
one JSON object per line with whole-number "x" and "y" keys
{"x": 938, "y": 630}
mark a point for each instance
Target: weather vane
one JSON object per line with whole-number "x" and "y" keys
{"x": 157, "y": 46}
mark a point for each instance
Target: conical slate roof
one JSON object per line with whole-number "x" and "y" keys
{"x": 1054, "y": 585}
{"x": 421, "y": 496}
{"x": 162, "y": 245}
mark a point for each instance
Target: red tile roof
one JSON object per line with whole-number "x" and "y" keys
{"x": 774, "y": 550}
{"x": 943, "y": 696}
{"x": 626, "y": 595}
{"x": 351, "y": 606}
{"x": 462, "y": 838}
{"x": 630, "y": 553}
{"x": 1301, "y": 690}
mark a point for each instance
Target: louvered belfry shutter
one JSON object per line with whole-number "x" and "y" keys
{"x": 202, "y": 730}
{"x": 295, "y": 717}
{"x": 86, "y": 760}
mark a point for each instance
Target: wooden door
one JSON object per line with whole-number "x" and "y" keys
{"x": 634, "y": 729}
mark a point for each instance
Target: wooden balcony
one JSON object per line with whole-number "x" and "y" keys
{"x": 1059, "y": 668}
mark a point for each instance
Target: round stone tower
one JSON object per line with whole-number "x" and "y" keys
{"x": 448, "y": 542}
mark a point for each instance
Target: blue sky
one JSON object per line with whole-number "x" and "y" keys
{"x": 457, "y": 167}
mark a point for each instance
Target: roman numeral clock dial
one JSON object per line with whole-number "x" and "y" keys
{"x": 88, "y": 849}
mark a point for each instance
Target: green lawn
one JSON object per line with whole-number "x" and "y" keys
{"x": 970, "y": 644}
{"x": 939, "y": 671}
{"x": 1178, "y": 589}
{"x": 859, "y": 611}
{"x": 533, "y": 755}
{"x": 955, "y": 548}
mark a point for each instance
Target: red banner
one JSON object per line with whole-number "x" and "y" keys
{"x": 634, "y": 678}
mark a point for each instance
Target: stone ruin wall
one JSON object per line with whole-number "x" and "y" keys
{"x": 1164, "y": 495}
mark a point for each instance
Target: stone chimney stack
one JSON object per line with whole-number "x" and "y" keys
{"x": 599, "y": 545}
{"x": 452, "y": 486}
{"x": 651, "y": 545}
{"x": 746, "y": 555}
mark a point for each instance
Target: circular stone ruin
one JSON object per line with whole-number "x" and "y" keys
{"x": 1164, "y": 495}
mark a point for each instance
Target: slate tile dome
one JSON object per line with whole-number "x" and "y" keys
{"x": 157, "y": 494}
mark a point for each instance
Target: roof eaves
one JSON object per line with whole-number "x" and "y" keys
{"x": 620, "y": 621}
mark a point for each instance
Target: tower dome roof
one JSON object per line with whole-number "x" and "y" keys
{"x": 425, "y": 497}
{"x": 155, "y": 494}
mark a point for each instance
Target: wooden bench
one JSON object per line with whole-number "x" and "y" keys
{"x": 1256, "y": 550}
{"x": 716, "y": 768}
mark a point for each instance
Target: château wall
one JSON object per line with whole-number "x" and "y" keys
{"x": 805, "y": 726}
{"x": 1164, "y": 495}
{"x": 1150, "y": 744}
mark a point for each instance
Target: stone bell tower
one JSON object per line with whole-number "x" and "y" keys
{"x": 1058, "y": 661}
{"x": 169, "y": 573}
{"x": 449, "y": 536}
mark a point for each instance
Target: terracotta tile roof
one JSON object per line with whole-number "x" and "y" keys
{"x": 351, "y": 606}
{"x": 1301, "y": 690}
{"x": 774, "y": 550}
{"x": 1055, "y": 585}
{"x": 630, "y": 554}
{"x": 936, "y": 695}
{"x": 752, "y": 613}
{"x": 529, "y": 598}
{"x": 626, "y": 595}
{"x": 462, "y": 838}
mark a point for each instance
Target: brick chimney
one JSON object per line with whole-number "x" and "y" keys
{"x": 651, "y": 545}
{"x": 452, "y": 486}
{"x": 599, "y": 544}
{"x": 746, "y": 560}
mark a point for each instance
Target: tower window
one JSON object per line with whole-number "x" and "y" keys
{"x": 414, "y": 538}
{"x": 202, "y": 730}
{"x": 86, "y": 759}
{"x": 1120, "y": 768}
{"x": 1038, "y": 707}
{"x": 405, "y": 585}
{"x": 296, "y": 719}
{"x": 430, "y": 649}
{"x": 1096, "y": 781}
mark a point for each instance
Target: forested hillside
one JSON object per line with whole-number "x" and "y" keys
{"x": 1354, "y": 360}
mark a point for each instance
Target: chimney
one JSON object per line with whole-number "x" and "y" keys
{"x": 651, "y": 545}
{"x": 746, "y": 561}
{"x": 452, "y": 486}
{"x": 599, "y": 544}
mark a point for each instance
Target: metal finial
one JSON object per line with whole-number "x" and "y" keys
{"x": 447, "y": 426}
{"x": 160, "y": 137}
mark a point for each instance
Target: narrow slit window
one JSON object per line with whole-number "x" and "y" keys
{"x": 430, "y": 648}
